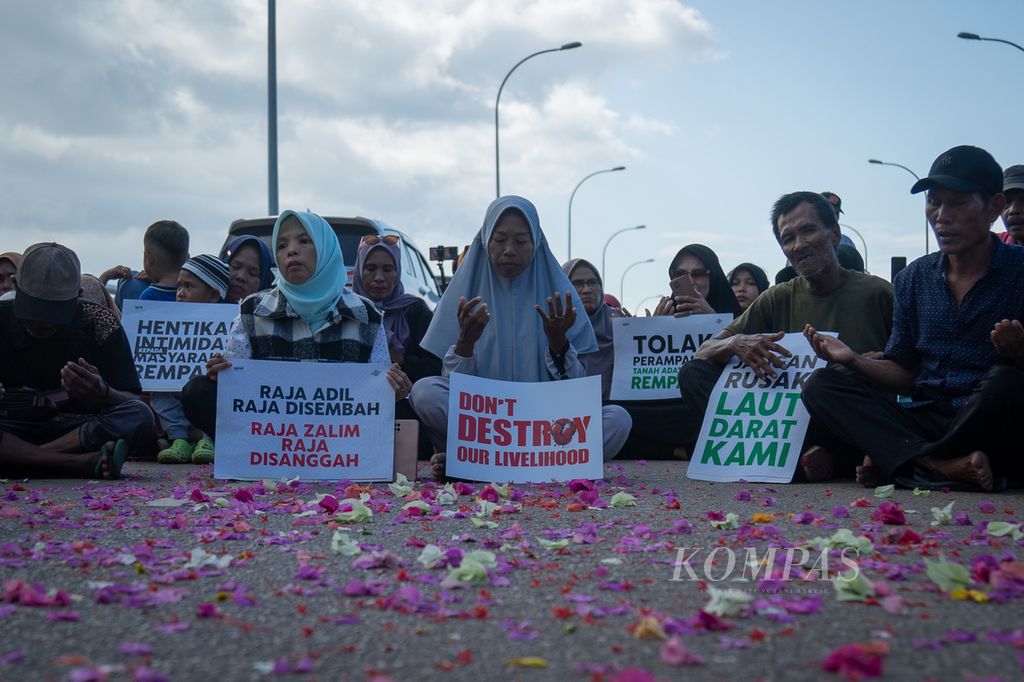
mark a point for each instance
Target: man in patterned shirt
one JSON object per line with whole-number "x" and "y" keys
{"x": 956, "y": 348}
{"x": 68, "y": 388}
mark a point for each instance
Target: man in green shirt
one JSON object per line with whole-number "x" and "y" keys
{"x": 858, "y": 307}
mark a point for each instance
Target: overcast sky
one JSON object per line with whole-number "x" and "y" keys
{"x": 117, "y": 113}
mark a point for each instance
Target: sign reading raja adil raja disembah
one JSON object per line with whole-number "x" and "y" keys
{"x": 650, "y": 350}
{"x": 171, "y": 341}
{"x": 754, "y": 428}
{"x": 524, "y": 432}
{"x": 314, "y": 421}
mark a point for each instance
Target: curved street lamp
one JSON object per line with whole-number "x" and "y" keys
{"x": 927, "y": 227}
{"x": 622, "y": 281}
{"x": 863, "y": 243}
{"x": 974, "y": 36}
{"x": 604, "y": 251}
{"x": 573, "y": 196}
{"x": 497, "y": 100}
{"x": 642, "y": 301}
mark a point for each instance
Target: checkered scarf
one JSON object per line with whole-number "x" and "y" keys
{"x": 276, "y": 332}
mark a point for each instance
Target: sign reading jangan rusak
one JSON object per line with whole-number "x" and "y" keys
{"x": 650, "y": 350}
{"x": 171, "y": 341}
{"x": 524, "y": 432}
{"x": 754, "y": 428}
{"x": 316, "y": 421}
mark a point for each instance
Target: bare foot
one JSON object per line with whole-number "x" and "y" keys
{"x": 868, "y": 475}
{"x": 102, "y": 467}
{"x": 437, "y": 462}
{"x": 973, "y": 468}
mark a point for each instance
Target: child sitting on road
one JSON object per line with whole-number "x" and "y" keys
{"x": 203, "y": 279}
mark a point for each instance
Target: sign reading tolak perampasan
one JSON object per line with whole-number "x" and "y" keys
{"x": 650, "y": 350}
{"x": 172, "y": 341}
{"x": 754, "y": 428}
{"x": 524, "y": 432}
{"x": 314, "y": 421}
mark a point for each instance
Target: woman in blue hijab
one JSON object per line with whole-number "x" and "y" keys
{"x": 308, "y": 315}
{"x": 249, "y": 261}
{"x": 509, "y": 313}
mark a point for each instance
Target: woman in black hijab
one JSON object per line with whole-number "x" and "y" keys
{"x": 748, "y": 282}
{"x": 714, "y": 293}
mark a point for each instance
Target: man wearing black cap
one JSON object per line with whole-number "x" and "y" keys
{"x": 954, "y": 350}
{"x": 68, "y": 386}
{"x": 1013, "y": 214}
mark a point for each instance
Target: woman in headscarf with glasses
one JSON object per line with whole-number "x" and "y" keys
{"x": 308, "y": 315}
{"x": 503, "y": 317}
{"x": 713, "y": 292}
{"x": 668, "y": 428}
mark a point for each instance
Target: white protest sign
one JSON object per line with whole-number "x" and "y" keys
{"x": 753, "y": 428}
{"x": 650, "y": 350}
{"x": 311, "y": 420}
{"x": 171, "y": 341}
{"x": 524, "y": 432}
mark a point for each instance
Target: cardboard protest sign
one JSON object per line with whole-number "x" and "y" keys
{"x": 524, "y": 432}
{"x": 314, "y": 421}
{"x": 650, "y": 350}
{"x": 171, "y": 341}
{"x": 753, "y": 428}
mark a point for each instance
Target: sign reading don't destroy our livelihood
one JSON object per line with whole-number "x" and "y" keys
{"x": 754, "y": 428}
{"x": 650, "y": 350}
{"x": 171, "y": 341}
{"x": 524, "y": 432}
{"x": 314, "y": 421}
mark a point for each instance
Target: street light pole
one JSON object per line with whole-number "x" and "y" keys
{"x": 272, "y": 107}
{"x": 927, "y": 227}
{"x": 622, "y": 282}
{"x": 851, "y": 228}
{"x": 573, "y": 196}
{"x": 604, "y": 251}
{"x": 974, "y": 36}
{"x": 497, "y": 100}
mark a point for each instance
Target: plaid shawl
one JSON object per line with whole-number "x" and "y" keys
{"x": 276, "y": 332}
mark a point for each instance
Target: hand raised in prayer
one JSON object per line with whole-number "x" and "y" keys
{"x": 473, "y": 317}
{"x": 760, "y": 352}
{"x": 1008, "y": 338}
{"x": 215, "y": 364}
{"x": 829, "y": 348}
{"x": 558, "y": 320}
{"x": 399, "y": 381}
{"x": 83, "y": 382}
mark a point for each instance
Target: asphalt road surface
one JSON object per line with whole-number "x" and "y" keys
{"x": 170, "y": 574}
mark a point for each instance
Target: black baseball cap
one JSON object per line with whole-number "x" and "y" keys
{"x": 963, "y": 169}
{"x": 837, "y": 203}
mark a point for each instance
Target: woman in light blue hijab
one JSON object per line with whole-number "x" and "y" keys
{"x": 308, "y": 315}
{"x": 510, "y": 313}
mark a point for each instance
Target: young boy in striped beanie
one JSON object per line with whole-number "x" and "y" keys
{"x": 202, "y": 279}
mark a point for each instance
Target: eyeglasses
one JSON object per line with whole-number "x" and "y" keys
{"x": 585, "y": 283}
{"x": 696, "y": 273}
{"x": 371, "y": 239}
